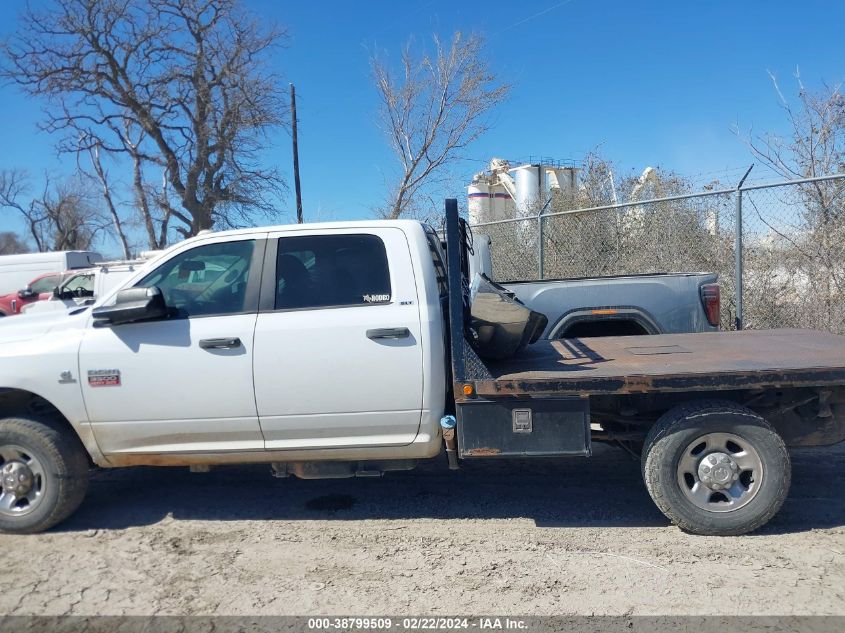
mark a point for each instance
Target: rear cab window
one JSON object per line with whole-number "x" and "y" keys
{"x": 322, "y": 271}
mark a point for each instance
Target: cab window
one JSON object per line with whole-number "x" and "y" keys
{"x": 206, "y": 280}
{"x": 320, "y": 271}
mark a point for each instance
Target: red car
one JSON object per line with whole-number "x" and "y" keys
{"x": 38, "y": 289}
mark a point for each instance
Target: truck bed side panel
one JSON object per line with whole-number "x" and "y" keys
{"x": 667, "y": 303}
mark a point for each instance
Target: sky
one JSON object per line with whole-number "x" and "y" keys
{"x": 652, "y": 83}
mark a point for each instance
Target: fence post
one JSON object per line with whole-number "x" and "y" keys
{"x": 540, "y": 253}
{"x": 738, "y": 257}
{"x": 738, "y": 250}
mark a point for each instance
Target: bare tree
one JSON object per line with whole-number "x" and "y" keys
{"x": 632, "y": 238}
{"x": 14, "y": 186}
{"x": 814, "y": 144}
{"x": 12, "y": 244}
{"x": 809, "y": 248}
{"x": 73, "y": 222}
{"x": 61, "y": 217}
{"x": 180, "y": 87}
{"x": 102, "y": 178}
{"x": 597, "y": 180}
{"x": 434, "y": 109}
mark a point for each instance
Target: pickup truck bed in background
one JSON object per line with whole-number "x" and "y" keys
{"x": 618, "y": 305}
{"x": 664, "y": 303}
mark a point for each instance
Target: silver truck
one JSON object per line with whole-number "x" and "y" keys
{"x": 624, "y": 305}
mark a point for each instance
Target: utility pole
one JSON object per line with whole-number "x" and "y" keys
{"x": 295, "y": 156}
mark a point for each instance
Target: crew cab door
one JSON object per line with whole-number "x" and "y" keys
{"x": 338, "y": 357}
{"x": 184, "y": 383}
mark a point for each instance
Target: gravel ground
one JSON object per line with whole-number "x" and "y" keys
{"x": 542, "y": 537}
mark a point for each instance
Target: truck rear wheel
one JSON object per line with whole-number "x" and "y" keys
{"x": 44, "y": 474}
{"x": 716, "y": 468}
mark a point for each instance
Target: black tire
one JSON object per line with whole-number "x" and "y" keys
{"x": 64, "y": 463}
{"x": 676, "y": 431}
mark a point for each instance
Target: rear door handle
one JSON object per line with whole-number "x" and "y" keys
{"x": 389, "y": 332}
{"x": 220, "y": 343}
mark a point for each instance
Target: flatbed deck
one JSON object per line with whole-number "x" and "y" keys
{"x": 751, "y": 359}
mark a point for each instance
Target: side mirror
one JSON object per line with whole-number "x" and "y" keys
{"x": 26, "y": 293}
{"x": 132, "y": 304}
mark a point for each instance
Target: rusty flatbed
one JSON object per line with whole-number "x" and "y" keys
{"x": 666, "y": 363}
{"x": 710, "y": 414}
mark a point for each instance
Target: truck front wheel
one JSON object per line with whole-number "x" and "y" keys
{"x": 716, "y": 468}
{"x": 44, "y": 474}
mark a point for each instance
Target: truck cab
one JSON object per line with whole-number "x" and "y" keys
{"x": 322, "y": 338}
{"x": 39, "y": 289}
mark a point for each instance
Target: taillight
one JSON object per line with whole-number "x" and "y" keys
{"x": 711, "y": 300}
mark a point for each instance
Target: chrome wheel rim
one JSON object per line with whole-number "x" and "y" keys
{"x": 720, "y": 472}
{"x": 23, "y": 481}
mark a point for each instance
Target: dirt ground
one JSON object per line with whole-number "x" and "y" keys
{"x": 543, "y": 537}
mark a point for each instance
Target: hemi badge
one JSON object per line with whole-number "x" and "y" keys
{"x": 104, "y": 377}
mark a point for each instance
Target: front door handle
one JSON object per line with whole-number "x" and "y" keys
{"x": 220, "y": 343}
{"x": 389, "y": 332}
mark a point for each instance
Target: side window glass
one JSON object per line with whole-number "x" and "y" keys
{"x": 322, "y": 271}
{"x": 81, "y": 285}
{"x": 205, "y": 280}
{"x": 46, "y": 284}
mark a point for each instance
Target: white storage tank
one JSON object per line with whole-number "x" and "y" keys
{"x": 478, "y": 200}
{"x": 501, "y": 203}
{"x": 488, "y": 199}
{"x": 530, "y": 185}
{"x": 503, "y": 193}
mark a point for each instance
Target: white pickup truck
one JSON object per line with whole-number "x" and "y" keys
{"x": 346, "y": 349}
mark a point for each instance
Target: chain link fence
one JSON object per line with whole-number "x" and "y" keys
{"x": 790, "y": 235}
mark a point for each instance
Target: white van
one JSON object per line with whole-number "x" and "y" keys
{"x": 16, "y": 271}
